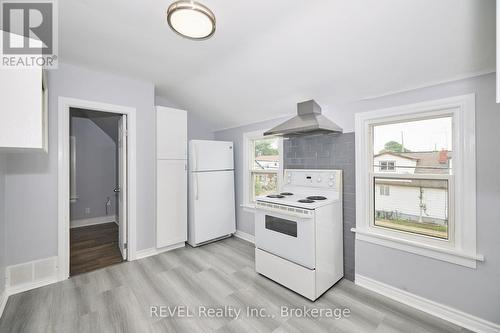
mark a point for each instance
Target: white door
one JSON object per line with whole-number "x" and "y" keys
{"x": 171, "y": 134}
{"x": 122, "y": 185}
{"x": 205, "y": 155}
{"x": 171, "y": 206}
{"x": 213, "y": 204}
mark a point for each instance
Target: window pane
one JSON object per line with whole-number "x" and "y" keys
{"x": 264, "y": 183}
{"x": 418, "y": 206}
{"x": 282, "y": 226}
{"x": 414, "y": 147}
{"x": 266, "y": 154}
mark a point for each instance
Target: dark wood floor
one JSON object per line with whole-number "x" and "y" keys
{"x": 94, "y": 247}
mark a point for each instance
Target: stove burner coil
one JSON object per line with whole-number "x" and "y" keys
{"x": 277, "y": 196}
{"x": 316, "y": 197}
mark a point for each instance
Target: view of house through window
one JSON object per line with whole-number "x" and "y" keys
{"x": 412, "y": 167}
{"x": 265, "y": 166}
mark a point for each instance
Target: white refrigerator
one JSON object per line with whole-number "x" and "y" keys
{"x": 211, "y": 191}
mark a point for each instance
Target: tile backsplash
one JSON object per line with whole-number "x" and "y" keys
{"x": 329, "y": 151}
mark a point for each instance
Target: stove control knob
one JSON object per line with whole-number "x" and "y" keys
{"x": 331, "y": 176}
{"x": 318, "y": 180}
{"x": 289, "y": 181}
{"x": 330, "y": 184}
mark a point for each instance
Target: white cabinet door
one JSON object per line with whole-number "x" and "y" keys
{"x": 171, "y": 133}
{"x": 171, "y": 205}
{"x": 23, "y": 110}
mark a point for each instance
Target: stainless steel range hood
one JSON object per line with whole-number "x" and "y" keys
{"x": 309, "y": 120}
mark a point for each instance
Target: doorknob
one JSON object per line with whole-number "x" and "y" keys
{"x": 116, "y": 190}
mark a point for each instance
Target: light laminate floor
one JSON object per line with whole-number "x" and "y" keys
{"x": 119, "y": 299}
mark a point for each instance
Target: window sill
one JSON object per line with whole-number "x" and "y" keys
{"x": 439, "y": 253}
{"x": 249, "y": 208}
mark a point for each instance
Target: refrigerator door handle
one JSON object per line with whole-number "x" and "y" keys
{"x": 195, "y": 156}
{"x": 196, "y": 186}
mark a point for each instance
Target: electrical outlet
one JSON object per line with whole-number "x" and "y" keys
{"x": 87, "y": 211}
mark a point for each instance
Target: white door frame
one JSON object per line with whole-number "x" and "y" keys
{"x": 63, "y": 176}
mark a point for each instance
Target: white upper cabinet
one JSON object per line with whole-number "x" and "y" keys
{"x": 23, "y": 110}
{"x": 171, "y": 133}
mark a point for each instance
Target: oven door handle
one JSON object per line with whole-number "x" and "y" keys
{"x": 285, "y": 213}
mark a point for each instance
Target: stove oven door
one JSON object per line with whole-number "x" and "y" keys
{"x": 288, "y": 236}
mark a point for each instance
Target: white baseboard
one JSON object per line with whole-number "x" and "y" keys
{"x": 154, "y": 251}
{"x": 30, "y": 275}
{"x": 92, "y": 221}
{"x": 3, "y": 301}
{"x": 436, "y": 309}
{"x": 245, "y": 236}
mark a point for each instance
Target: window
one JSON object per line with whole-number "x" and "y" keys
{"x": 387, "y": 165}
{"x": 263, "y": 161}
{"x": 384, "y": 190}
{"x": 420, "y": 202}
{"x": 416, "y": 179}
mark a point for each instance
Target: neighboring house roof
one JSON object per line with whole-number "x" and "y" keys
{"x": 395, "y": 154}
{"x": 425, "y": 183}
{"x": 268, "y": 158}
{"x": 433, "y": 162}
{"x": 264, "y": 160}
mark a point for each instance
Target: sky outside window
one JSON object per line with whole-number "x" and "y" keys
{"x": 422, "y": 135}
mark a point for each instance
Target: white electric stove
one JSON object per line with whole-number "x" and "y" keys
{"x": 299, "y": 232}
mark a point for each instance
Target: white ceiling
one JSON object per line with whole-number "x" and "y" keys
{"x": 267, "y": 55}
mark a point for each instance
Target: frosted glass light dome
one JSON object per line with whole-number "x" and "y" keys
{"x": 191, "y": 19}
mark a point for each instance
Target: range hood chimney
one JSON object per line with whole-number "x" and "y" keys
{"x": 309, "y": 120}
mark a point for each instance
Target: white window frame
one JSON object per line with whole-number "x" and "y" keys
{"x": 248, "y": 138}
{"x": 460, "y": 248}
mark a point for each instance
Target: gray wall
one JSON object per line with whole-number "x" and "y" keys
{"x": 329, "y": 151}
{"x": 31, "y": 181}
{"x": 475, "y": 291}
{"x": 3, "y": 236}
{"x": 96, "y": 169}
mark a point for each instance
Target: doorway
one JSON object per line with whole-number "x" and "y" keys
{"x": 97, "y": 190}
{"x": 97, "y": 185}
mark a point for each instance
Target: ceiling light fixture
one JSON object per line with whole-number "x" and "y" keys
{"x": 191, "y": 19}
